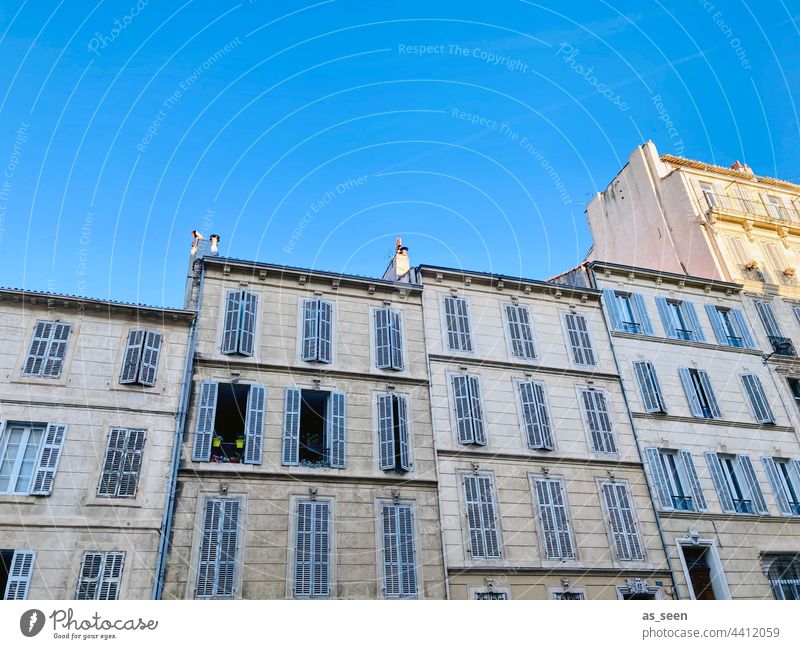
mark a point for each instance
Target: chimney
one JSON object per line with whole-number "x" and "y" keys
{"x": 214, "y": 252}
{"x": 400, "y": 263}
{"x": 742, "y": 168}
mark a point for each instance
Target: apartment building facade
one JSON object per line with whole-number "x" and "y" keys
{"x": 541, "y": 485}
{"x": 88, "y": 406}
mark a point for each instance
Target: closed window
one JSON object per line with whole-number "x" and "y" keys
{"x": 399, "y": 556}
{"x": 314, "y": 428}
{"x": 388, "y": 340}
{"x": 100, "y": 575}
{"x": 781, "y": 345}
{"x": 729, "y": 327}
{"x": 16, "y": 569}
{"x": 554, "y": 519}
{"x": 457, "y": 323}
{"x": 580, "y": 343}
{"x": 702, "y": 401}
{"x": 675, "y": 479}
{"x": 142, "y": 351}
{"x": 794, "y": 387}
{"x": 312, "y": 562}
{"x": 490, "y": 595}
{"x": 680, "y": 321}
{"x": 736, "y": 483}
{"x": 784, "y": 577}
{"x": 757, "y": 398}
{"x": 484, "y": 542}
{"x": 317, "y": 341}
{"x": 393, "y": 435}
{"x": 622, "y": 524}
{"x": 627, "y": 312}
{"x": 29, "y": 457}
{"x": 239, "y": 327}
{"x": 47, "y": 350}
{"x": 219, "y": 542}
{"x": 520, "y": 331}
{"x": 469, "y": 410}
{"x": 784, "y": 476}
{"x": 598, "y": 421}
{"x": 652, "y": 396}
{"x": 122, "y": 463}
{"x": 535, "y": 414}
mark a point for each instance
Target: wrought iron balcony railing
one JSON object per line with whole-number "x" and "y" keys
{"x": 743, "y": 506}
{"x": 746, "y": 207}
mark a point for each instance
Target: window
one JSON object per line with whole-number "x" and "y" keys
{"x": 622, "y": 522}
{"x": 784, "y": 476}
{"x": 729, "y": 327}
{"x": 141, "y": 357}
{"x": 709, "y": 194}
{"x": 29, "y": 457}
{"x": 122, "y": 464}
{"x": 393, "y": 435}
{"x": 781, "y": 346}
{"x": 239, "y": 331}
{"x": 312, "y": 552}
{"x": 700, "y": 394}
{"x": 736, "y": 483}
{"x": 627, "y": 312}
{"x": 388, "y": 340}
{"x": 490, "y": 595}
{"x": 457, "y": 323}
{"x": 773, "y": 254}
{"x": 578, "y": 337}
{"x": 794, "y": 386}
{"x": 481, "y": 518}
{"x": 784, "y": 577}
{"x": 703, "y": 571}
{"x": 230, "y": 423}
{"x": 739, "y": 251}
{"x": 535, "y": 415}
{"x": 100, "y": 575}
{"x": 568, "y": 595}
{"x": 554, "y": 519}
{"x": 468, "y": 410}
{"x": 675, "y": 480}
{"x": 317, "y": 342}
{"x": 217, "y": 560}
{"x": 16, "y": 569}
{"x": 520, "y": 332}
{"x": 680, "y": 320}
{"x": 758, "y": 400}
{"x": 48, "y": 349}
{"x": 314, "y": 428}
{"x": 399, "y": 558}
{"x": 775, "y": 207}
{"x": 652, "y": 397}
{"x": 598, "y": 421}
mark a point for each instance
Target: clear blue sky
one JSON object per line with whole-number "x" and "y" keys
{"x": 124, "y": 126}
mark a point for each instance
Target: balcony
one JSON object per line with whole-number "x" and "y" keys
{"x": 782, "y": 346}
{"x": 743, "y": 208}
{"x": 743, "y": 506}
{"x": 682, "y": 504}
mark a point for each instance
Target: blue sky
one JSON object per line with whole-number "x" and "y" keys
{"x": 312, "y": 134}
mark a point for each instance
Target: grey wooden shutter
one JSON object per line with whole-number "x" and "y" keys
{"x": 227, "y": 547}
{"x": 37, "y": 352}
{"x": 310, "y": 343}
{"x": 652, "y": 399}
{"x": 466, "y": 434}
{"x": 758, "y": 400}
{"x": 715, "y": 468}
{"x": 337, "y": 430}
{"x": 599, "y": 422}
{"x": 408, "y": 562}
{"x": 231, "y": 327}
{"x": 535, "y": 415}
{"x": 691, "y": 317}
{"x": 303, "y": 549}
{"x": 383, "y": 339}
{"x": 716, "y": 325}
{"x": 206, "y": 584}
{"x": 776, "y": 481}
{"x": 403, "y": 433}
{"x": 89, "y": 577}
{"x": 150, "y": 355}
{"x": 133, "y": 355}
{"x": 462, "y": 317}
{"x": 520, "y": 331}
{"x": 481, "y": 517}
{"x": 554, "y": 519}
{"x": 254, "y": 424}
{"x": 768, "y": 319}
{"x": 705, "y": 381}
{"x": 386, "y": 431}
{"x": 396, "y": 330}
{"x": 57, "y": 350}
{"x": 290, "y": 455}
{"x": 451, "y": 322}
{"x": 321, "y": 545}
{"x": 660, "y": 481}
{"x": 612, "y": 306}
{"x": 399, "y": 562}
{"x": 247, "y": 329}
{"x": 476, "y": 410}
{"x": 744, "y": 331}
{"x": 624, "y": 532}
{"x": 691, "y": 393}
{"x": 694, "y": 481}
{"x": 759, "y": 504}
{"x": 325, "y": 315}
{"x": 204, "y": 427}
{"x": 391, "y": 552}
{"x": 312, "y": 554}
{"x": 112, "y": 462}
{"x": 641, "y": 310}
{"x": 666, "y": 317}
{"x": 111, "y": 575}
{"x": 19, "y": 575}
{"x": 132, "y": 463}
{"x": 580, "y": 343}
{"x": 49, "y": 457}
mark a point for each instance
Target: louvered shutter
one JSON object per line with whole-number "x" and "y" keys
{"x": 303, "y": 549}
{"x": 290, "y": 455}
{"x": 383, "y": 339}
{"x": 461, "y": 396}
{"x": 400, "y": 575}
{"x": 150, "y": 355}
{"x": 697, "y": 330}
{"x": 744, "y": 331}
{"x": 204, "y": 428}
{"x": 462, "y": 317}
{"x": 396, "y": 330}
{"x": 627, "y": 543}
{"x": 666, "y": 317}
{"x": 476, "y": 410}
{"x": 534, "y": 412}
{"x": 391, "y": 552}
{"x": 599, "y": 422}
{"x": 37, "y": 352}
{"x": 758, "y": 400}
{"x": 776, "y": 481}
{"x": 325, "y": 315}
{"x": 612, "y": 306}
{"x": 705, "y": 381}
{"x": 759, "y": 504}
{"x": 652, "y": 399}
{"x": 768, "y": 320}
{"x": 660, "y": 481}
{"x": 49, "y": 457}
{"x": 231, "y": 328}
{"x": 737, "y": 251}
{"x": 337, "y": 430}
{"x": 717, "y": 325}
{"x": 694, "y": 481}
{"x": 312, "y": 555}
{"x": 111, "y": 576}
{"x": 207, "y": 573}
{"x": 402, "y": 432}
{"x": 715, "y": 468}
{"x": 578, "y": 334}
{"x": 226, "y": 555}
{"x": 254, "y": 424}
{"x": 57, "y": 350}
{"x": 555, "y": 522}
{"x": 520, "y": 331}
{"x": 321, "y": 544}
{"x": 641, "y": 310}
{"x": 89, "y": 577}
{"x": 247, "y": 330}
{"x": 481, "y": 518}
{"x": 451, "y": 323}
{"x": 310, "y": 330}
{"x": 133, "y": 355}
{"x": 386, "y": 432}
{"x": 691, "y": 393}
{"x": 19, "y": 575}
{"x": 112, "y": 462}
{"x": 132, "y": 463}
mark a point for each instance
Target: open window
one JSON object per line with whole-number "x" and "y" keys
{"x": 703, "y": 570}
{"x": 314, "y": 428}
{"x": 16, "y": 568}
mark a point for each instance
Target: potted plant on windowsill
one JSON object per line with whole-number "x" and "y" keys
{"x": 751, "y": 265}
{"x": 789, "y": 272}
{"x": 216, "y": 441}
{"x": 240, "y": 442}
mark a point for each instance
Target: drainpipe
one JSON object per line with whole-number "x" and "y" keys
{"x": 180, "y": 422}
{"x": 664, "y": 545}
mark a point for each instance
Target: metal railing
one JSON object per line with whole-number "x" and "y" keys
{"x": 743, "y": 506}
{"x": 632, "y": 327}
{"x": 747, "y": 207}
{"x": 735, "y": 341}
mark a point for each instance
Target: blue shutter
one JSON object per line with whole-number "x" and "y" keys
{"x": 697, "y": 330}
{"x": 756, "y": 495}
{"x": 230, "y": 331}
{"x": 150, "y": 355}
{"x": 716, "y": 325}
{"x": 254, "y": 424}
{"x": 705, "y": 381}
{"x": 19, "y": 575}
{"x": 399, "y": 562}
{"x": 715, "y": 468}
{"x": 227, "y": 548}
{"x": 337, "y": 428}
{"x": 758, "y": 400}
{"x": 310, "y": 340}
{"x": 535, "y": 415}
{"x": 383, "y": 339}
{"x": 481, "y": 517}
{"x": 396, "y": 331}
{"x": 666, "y": 317}
{"x": 466, "y": 434}
{"x": 132, "y": 358}
{"x": 776, "y": 481}
{"x": 768, "y": 320}
{"x": 476, "y": 410}
{"x": 219, "y": 541}
{"x": 312, "y": 561}
{"x": 652, "y": 398}
{"x": 290, "y": 455}
{"x": 247, "y": 327}
{"x": 402, "y": 432}
{"x": 204, "y": 427}
{"x": 644, "y": 317}
{"x": 49, "y": 457}
{"x": 386, "y": 432}
{"x": 694, "y": 481}
{"x": 691, "y": 394}
{"x": 622, "y": 520}
{"x": 206, "y": 582}
{"x": 744, "y": 331}
{"x": 554, "y": 520}
{"x": 660, "y": 481}
{"x": 610, "y": 299}
{"x": 325, "y": 344}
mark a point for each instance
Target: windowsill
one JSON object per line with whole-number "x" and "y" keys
{"x": 19, "y": 499}
{"x": 100, "y": 501}
{"x": 61, "y": 381}
{"x": 690, "y": 343}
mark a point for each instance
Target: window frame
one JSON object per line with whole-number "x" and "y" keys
{"x": 472, "y": 351}
{"x": 301, "y": 303}
{"x": 612, "y": 432}
{"x": 453, "y": 407}
{"x": 69, "y": 346}
{"x": 380, "y": 504}
{"x": 568, "y": 345}
{"x": 719, "y": 582}
{"x": 373, "y": 316}
{"x": 137, "y": 489}
{"x": 223, "y": 306}
{"x": 498, "y": 526}
{"x": 294, "y": 503}
{"x": 533, "y": 480}
{"x": 523, "y": 424}
{"x": 535, "y": 359}
{"x": 608, "y": 522}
